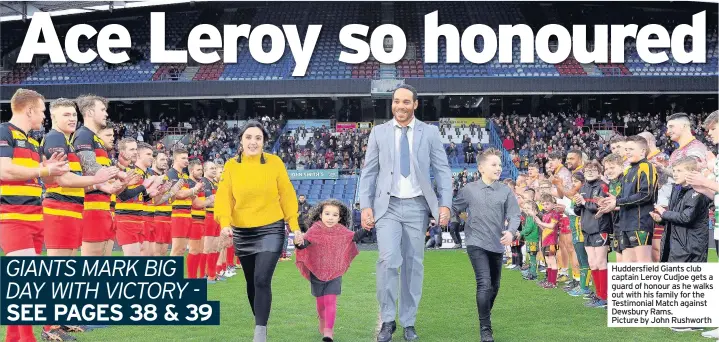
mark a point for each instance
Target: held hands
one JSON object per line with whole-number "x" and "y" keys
{"x": 226, "y": 232}
{"x": 367, "y": 218}
{"x": 444, "y": 216}
{"x": 299, "y": 238}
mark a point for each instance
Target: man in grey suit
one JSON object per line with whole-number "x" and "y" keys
{"x": 397, "y": 198}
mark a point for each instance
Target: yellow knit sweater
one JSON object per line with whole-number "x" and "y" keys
{"x": 251, "y": 194}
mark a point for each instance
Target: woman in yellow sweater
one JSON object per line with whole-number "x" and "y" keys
{"x": 254, "y": 200}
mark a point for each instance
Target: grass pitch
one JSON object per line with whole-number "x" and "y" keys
{"x": 448, "y": 312}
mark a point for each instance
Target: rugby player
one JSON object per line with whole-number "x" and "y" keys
{"x": 21, "y": 210}
{"x": 144, "y": 162}
{"x": 212, "y": 228}
{"x": 182, "y": 196}
{"x": 162, "y": 211}
{"x": 64, "y": 199}
{"x": 93, "y": 155}
{"x": 129, "y": 209}
{"x": 196, "y": 260}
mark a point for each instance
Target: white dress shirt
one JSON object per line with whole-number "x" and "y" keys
{"x": 404, "y": 187}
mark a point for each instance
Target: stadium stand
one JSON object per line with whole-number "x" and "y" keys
{"x": 325, "y": 64}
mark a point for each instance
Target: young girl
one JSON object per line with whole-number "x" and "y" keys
{"x": 325, "y": 255}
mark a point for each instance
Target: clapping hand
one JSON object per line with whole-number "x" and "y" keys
{"x": 659, "y": 209}
{"x": 656, "y": 217}
{"x": 696, "y": 179}
{"x": 105, "y": 173}
{"x": 57, "y": 164}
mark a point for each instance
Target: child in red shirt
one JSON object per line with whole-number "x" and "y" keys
{"x": 549, "y": 224}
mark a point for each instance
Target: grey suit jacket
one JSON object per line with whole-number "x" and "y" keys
{"x": 428, "y": 153}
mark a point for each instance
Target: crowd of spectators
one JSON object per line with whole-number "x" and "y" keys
{"x": 530, "y": 139}
{"x": 324, "y": 148}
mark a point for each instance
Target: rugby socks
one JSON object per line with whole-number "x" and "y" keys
{"x": 600, "y": 283}
{"x": 12, "y": 333}
{"x": 26, "y": 334}
{"x": 602, "y": 278}
{"x": 552, "y": 276}
{"x": 193, "y": 262}
{"x": 203, "y": 265}
{"x": 211, "y": 265}
{"x": 230, "y": 256}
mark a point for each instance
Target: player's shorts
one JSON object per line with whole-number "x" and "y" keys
{"x": 16, "y": 235}
{"x": 212, "y": 228}
{"x": 181, "y": 227}
{"x": 550, "y": 250}
{"x": 100, "y": 226}
{"x": 130, "y": 229}
{"x": 63, "y": 224}
{"x": 197, "y": 230}
{"x": 632, "y": 239}
{"x": 163, "y": 230}
{"x": 658, "y": 232}
{"x": 597, "y": 240}
{"x": 149, "y": 232}
{"x": 532, "y": 247}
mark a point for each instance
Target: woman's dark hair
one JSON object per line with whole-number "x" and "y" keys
{"x": 315, "y": 213}
{"x": 265, "y": 138}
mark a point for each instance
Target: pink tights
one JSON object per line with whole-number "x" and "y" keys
{"x": 327, "y": 310}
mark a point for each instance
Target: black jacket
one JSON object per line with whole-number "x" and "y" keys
{"x": 637, "y": 198}
{"x": 686, "y": 236}
{"x": 592, "y": 191}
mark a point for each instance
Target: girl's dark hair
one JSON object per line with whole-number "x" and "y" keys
{"x": 265, "y": 138}
{"x": 579, "y": 176}
{"x": 315, "y": 213}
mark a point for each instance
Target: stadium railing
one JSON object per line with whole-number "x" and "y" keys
{"x": 496, "y": 142}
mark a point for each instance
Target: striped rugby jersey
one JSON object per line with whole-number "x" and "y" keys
{"x": 20, "y": 200}
{"x": 67, "y": 202}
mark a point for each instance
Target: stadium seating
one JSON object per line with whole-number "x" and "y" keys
{"x": 177, "y": 25}
{"x": 325, "y": 62}
{"x": 316, "y": 190}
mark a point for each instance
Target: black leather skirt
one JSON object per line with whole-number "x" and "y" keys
{"x": 268, "y": 238}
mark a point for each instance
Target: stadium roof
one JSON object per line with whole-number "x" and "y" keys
{"x": 19, "y": 10}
